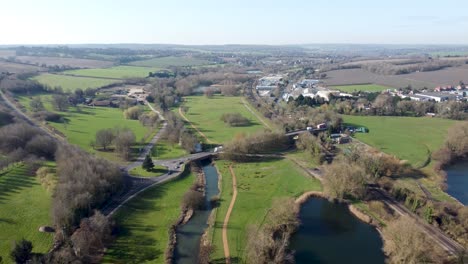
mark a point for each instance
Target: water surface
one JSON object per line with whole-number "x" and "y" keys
{"x": 189, "y": 235}
{"x": 457, "y": 181}
{"x": 329, "y": 233}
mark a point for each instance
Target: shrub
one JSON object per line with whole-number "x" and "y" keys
{"x": 133, "y": 113}
{"x": 235, "y": 119}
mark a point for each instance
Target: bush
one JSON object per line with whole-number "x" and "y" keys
{"x": 193, "y": 200}
{"x": 133, "y": 113}
{"x": 235, "y": 119}
{"x": 21, "y": 252}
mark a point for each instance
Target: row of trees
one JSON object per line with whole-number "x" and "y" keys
{"x": 85, "y": 183}
{"x": 176, "y": 133}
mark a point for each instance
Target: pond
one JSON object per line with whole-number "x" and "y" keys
{"x": 329, "y": 233}
{"x": 189, "y": 235}
{"x": 457, "y": 181}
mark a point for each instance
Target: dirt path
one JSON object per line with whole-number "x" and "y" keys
{"x": 227, "y": 254}
{"x": 255, "y": 114}
{"x": 194, "y": 127}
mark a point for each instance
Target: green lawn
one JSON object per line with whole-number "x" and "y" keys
{"x": 71, "y": 83}
{"x": 166, "y": 150}
{"x": 24, "y": 207}
{"x": 408, "y": 138}
{"x": 155, "y": 172}
{"x": 205, "y": 114}
{"x": 258, "y": 184}
{"x": 144, "y": 223}
{"x": 118, "y": 72}
{"x": 164, "y": 62}
{"x": 362, "y": 87}
{"x": 81, "y": 126}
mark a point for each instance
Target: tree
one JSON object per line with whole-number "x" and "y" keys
{"x": 124, "y": 139}
{"x": 36, "y": 104}
{"x": 343, "y": 179}
{"x": 209, "y": 92}
{"x": 133, "y": 113}
{"x": 148, "y": 164}
{"x": 60, "y": 102}
{"x": 407, "y": 244}
{"x": 104, "y": 138}
{"x": 21, "y": 252}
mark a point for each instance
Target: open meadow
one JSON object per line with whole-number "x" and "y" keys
{"x": 24, "y": 207}
{"x": 205, "y": 114}
{"x": 71, "y": 83}
{"x": 258, "y": 184}
{"x": 81, "y": 125}
{"x": 118, "y": 72}
{"x": 164, "y": 149}
{"x": 362, "y": 88}
{"x": 61, "y": 61}
{"x": 144, "y": 223}
{"x": 409, "y": 138}
{"x": 164, "y": 62}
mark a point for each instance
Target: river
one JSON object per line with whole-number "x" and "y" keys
{"x": 457, "y": 181}
{"x": 329, "y": 233}
{"x": 189, "y": 235}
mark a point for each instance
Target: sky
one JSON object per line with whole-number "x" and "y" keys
{"x": 200, "y": 22}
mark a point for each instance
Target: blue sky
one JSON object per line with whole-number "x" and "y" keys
{"x": 234, "y": 21}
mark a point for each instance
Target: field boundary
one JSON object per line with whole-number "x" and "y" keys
{"x": 194, "y": 127}
{"x": 228, "y": 215}
{"x": 255, "y": 114}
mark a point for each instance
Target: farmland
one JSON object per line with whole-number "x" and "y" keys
{"x": 165, "y": 62}
{"x": 408, "y": 138}
{"x": 205, "y": 114}
{"x": 258, "y": 183}
{"x": 119, "y": 72}
{"x": 24, "y": 207}
{"x": 144, "y": 223}
{"x": 82, "y": 125}
{"x": 71, "y": 83}
{"x": 72, "y": 62}
{"x": 419, "y": 80}
{"x": 362, "y": 87}
{"x": 19, "y": 68}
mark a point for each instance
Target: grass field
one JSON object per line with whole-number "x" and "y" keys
{"x": 258, "y": 184}
{"x": 118, "y": 72}
{"x": 164, "y": 62}
{"x": 205, "y": 114}
{"x": 166, "y": 150}
{"x": 24, "y": 207}
{"x": 155, "y": 172}
{"x": 408, "y": 138}
{"x": 71, "y": 83}
{"x": 82, "y": 125}
{"x": 144, "y": 223}
{"x": 362, "y": 87}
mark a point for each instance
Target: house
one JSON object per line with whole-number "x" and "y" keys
{"x": 438, "y": 97}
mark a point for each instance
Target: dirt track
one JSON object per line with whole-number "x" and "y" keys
{"x": 194, "y": 127}
{"x": 227, "y": 254}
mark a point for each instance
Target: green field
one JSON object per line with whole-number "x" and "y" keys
{"x": 164, "y": 62}
{"x": 81, "y": 126}
{"x": 408, "y": 138}
{"x": 362, "y": 87}
{"x": 71, "y": 83}
{"x": 118, "y": 72}
{"x": 205, "y": 114}
{"x": 166, "y": 150}
{"x": 155, "y": 172}
{"x": 24, "y": 207}
{"x": 145, "y": 221}
{"x": 258, "y": 183}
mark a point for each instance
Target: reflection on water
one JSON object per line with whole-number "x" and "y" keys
{"x": 457, "y": 181}
{"x": 331, "y": 234}
{"x": 188, "y": 235}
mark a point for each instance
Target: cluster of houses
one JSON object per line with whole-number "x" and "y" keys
{"x": 312, "y": 88}
{"x": 136, "y": 94}
{"x": 440, "y": 94}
